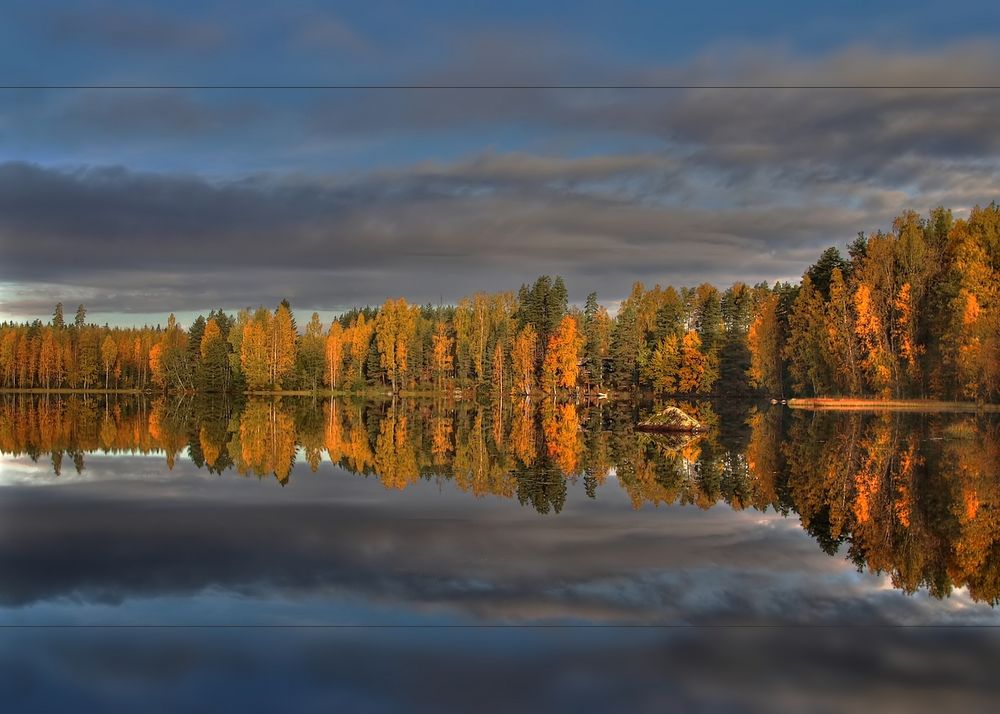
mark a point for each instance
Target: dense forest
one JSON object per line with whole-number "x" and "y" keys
{"x": 913, "y": 312}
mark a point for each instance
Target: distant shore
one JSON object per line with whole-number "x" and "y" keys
{"x": 66, "y": 390}
{"x": 901, "y": 405}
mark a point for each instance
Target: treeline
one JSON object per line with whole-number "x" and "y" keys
{"x": 910, "y": 313}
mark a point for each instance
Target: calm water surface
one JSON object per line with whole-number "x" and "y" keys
{"x": 416, "y": 553}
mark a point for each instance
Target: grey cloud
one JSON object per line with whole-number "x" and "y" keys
{"x": 845, "y": 132}
{"x": 785, "y": 137}
{"x": 490, "y": 223}
{"x": 669, "y": 186}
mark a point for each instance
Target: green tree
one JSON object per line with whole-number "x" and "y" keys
{"x": 821, "y": 272}
{"x": 311, "y": 353}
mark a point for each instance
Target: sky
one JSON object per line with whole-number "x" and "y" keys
{"x": 139, "y": 202}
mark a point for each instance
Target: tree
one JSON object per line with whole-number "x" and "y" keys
{"x": 556, "y": 304}
{"x": 281, "y": 345}
{"x": 597, "y": 338}
{"x": 168, "y": 359}
{"x": 88, "y": 362}
{"x": 195, "y": 333}
{"x": 57, "y": 317}
{"x": 442, "y": 355}
{"x": 312, "y": 353}
{"x": 50, "y": 360}
{"x": 876, "y": 356}
{"x": 821, "y": 272}
{"x": 81, "y": 317}
{"x": 708, "y": 316}
{"x": 212, "y": 372}
{"x": 109, "y": 352}
{"x": 543, "y": 305}
{"x": 254, "y": 352}
{"x": 360, "y": 341}
{"x": 334, "y": 354}
{"x": 665, "y": 364}
{"x": 841, "y": 338}
{"x": 734, "y": 352}
{"x": 472, "y": 334}
{"x": 972, "y": 313}
{"x": 806, "y": 342}
{"x": 561, "y": 365}
{"x": 626, "y": 340}
{"x": 394, "y": 328}
{"x": 698, "y": 371}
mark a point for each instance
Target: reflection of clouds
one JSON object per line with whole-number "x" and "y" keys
{"x": 23, "y": 472}
{"x": 430, "y": 551}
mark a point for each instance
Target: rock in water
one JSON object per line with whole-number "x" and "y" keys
{"x": 670, "y": 419}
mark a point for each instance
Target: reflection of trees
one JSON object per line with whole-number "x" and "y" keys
{"x": 915, "y": 497}
{"x": 214, "y": 422}
{"x": 977, "y": 510}
{"x": 55, "y": 426}
{"x": 266, "y": 440}
{"x": 765, "y": 461}
{"x": 480, "y": 466}
{"x": 522, "y": 433}
{"x": 563, "y": 442}
{"x": 395, "y": 456}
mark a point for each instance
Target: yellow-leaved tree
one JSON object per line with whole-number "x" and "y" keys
{"x": 561, "y": 365}
{"x": 395, "y": 328}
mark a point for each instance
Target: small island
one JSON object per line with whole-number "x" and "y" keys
{"x": 671, "y": 419}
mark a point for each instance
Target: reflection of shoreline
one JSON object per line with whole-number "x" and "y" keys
{"x": 911, "y": 495}
{"x": 909, "y": 405}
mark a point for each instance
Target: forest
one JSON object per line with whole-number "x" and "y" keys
{"x": 913, "y": 312}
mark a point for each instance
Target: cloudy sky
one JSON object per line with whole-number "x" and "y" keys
{"x": 138, "y": 202}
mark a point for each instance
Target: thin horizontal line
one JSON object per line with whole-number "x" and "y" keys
{"x": 505, "y": 627}
{"x": 411, "y": 87}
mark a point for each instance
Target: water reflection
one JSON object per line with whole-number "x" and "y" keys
{"x": 913, "y": 496}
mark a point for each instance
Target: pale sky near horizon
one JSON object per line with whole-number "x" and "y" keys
{"x": 138, "y": 202}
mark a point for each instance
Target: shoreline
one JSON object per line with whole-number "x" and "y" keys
{"x": 901, "y": 405}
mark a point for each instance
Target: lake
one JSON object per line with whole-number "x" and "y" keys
{"x": 427, "y": 553}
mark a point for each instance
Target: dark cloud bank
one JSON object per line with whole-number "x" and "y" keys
{"x": 604, "y": 187}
